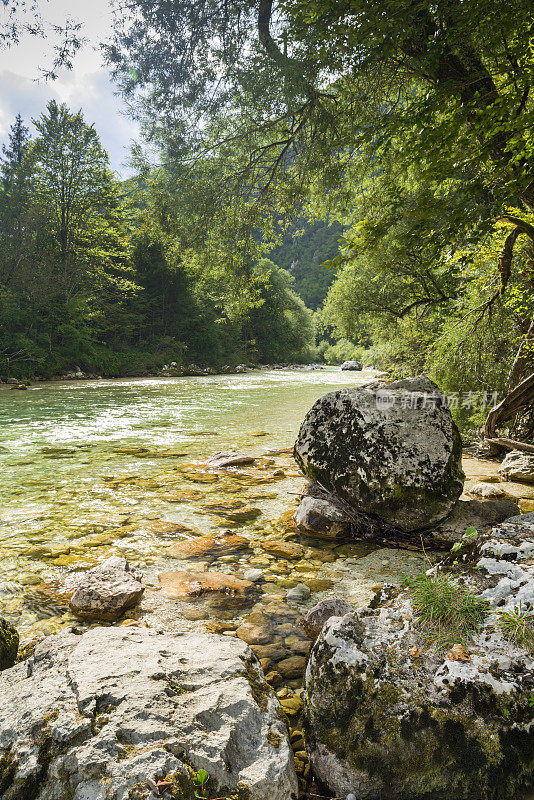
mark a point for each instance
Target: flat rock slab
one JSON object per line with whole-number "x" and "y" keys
{"x": 217, "y": 588}
{"x": 210, "y": 546}
{"x": 228, "y": 458}
{"x": 92, "y": 717}
{"x": 391, "y": 450}
{"x": 479, "y": 514}
{"x": 107, "y": 591}
{"x": 486, "y": 490}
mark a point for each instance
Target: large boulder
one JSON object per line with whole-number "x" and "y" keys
{"x": 9, "y": 644}
{"x": 391, "y": 715}
{"x": 94, "y": 717}
{"x": 107, "y": 591}
{"x": 517, "y": 466}
{"x": 352, "y": 365}
{"x": 391, "y": 450}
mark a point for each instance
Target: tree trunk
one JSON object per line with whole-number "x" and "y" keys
{"x": 516, "y": 401}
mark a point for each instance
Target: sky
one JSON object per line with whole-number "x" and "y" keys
{"x": 87, "y": 86}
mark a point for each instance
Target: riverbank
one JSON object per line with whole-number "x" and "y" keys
{"x": 172, "y": 370}
{"x": 117, "y": 468}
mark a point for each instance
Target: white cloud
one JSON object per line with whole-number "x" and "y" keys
{"x": 87, "y": 86}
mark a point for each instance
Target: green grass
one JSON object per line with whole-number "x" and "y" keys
{"x": 447, "y": 613}
{"x": 516, "y": 626}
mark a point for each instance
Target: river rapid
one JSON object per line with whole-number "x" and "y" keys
{"x": 90, "y": 469}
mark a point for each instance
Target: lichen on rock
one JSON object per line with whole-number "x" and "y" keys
{"x": 392, "y": 717}
{"x": 391, "y": 450}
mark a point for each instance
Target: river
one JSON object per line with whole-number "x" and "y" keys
{"x": 94, "y": 468}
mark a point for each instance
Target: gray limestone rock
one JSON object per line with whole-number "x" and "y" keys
{"x": 107, "y": 591}
{"x": 322, "y": 519}
{"x": 392, "y": 716}
{"x": 388, "y": 449}
{"x": 518, "y": 466}
{"x": 228, "y": 458}
{"x": 478, "y": 514}
{"x": 314, "y": 621}
{"x": 92, "y": 717}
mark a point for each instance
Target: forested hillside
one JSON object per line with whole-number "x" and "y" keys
{"x": 407, "y": 123}
{"x": 305, "y": 248}
{"x": 407, "y": 126}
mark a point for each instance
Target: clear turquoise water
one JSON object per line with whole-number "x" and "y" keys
{"x": 87, "y": 468}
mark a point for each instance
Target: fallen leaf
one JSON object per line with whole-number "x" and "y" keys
{"x": 415, "y": 652}
{"x": 457, "y": 653}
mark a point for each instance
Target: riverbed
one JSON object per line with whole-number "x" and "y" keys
{"x": 90, "y": 469}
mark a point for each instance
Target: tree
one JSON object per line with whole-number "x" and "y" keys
{"x": 16, "y": 186}
{"x": 22, "y": 18}
{"x": 281, "y": 327}
{"x": 75, "y": 185}
{"x": 324, "y": 94}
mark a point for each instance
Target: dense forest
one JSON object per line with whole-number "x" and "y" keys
{"x": 401, "y": 129}
{"x": 88, "y": 278}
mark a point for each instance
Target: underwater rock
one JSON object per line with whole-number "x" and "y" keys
{"x": 217, "y": 588}
{"x": 96, "y": 715}
{"x": 392, "y": 715}
{"x": 283, "y": 549}
{"x": 9, "y": 644}
{"x": 517, "y": 466}
{"x": 223, "y": 543}
{"x": 108, "y": 590}
{"x": 486, "y": 490}
{"x": 388, "y": 449}
{"x": 228, "y": 458}
{"x": 313, "y": 622}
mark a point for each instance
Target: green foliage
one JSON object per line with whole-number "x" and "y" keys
{"x": 121, "y": 281}
{"x": 200, "y": 780}
{"x": 409, "y": 123}
{"x": 469, "y": 536}
{"x": 343, "y": 350}
{"x": 281, "y": 327}
{"x": 305, "y": 248}
{"x": 447, "y": 612}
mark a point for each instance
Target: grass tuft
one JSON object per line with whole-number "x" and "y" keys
{"x": 447, "y": 613}
{"x": 516, "y": 626}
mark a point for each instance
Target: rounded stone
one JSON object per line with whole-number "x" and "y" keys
{"x": 299, "y": 593}
{"x": 388, "y": 449}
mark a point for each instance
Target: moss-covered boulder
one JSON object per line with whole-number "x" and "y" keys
{"x": 394, "y": 711}
{"x": 388, "y": 449}
{"x": 9, "y": 644}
